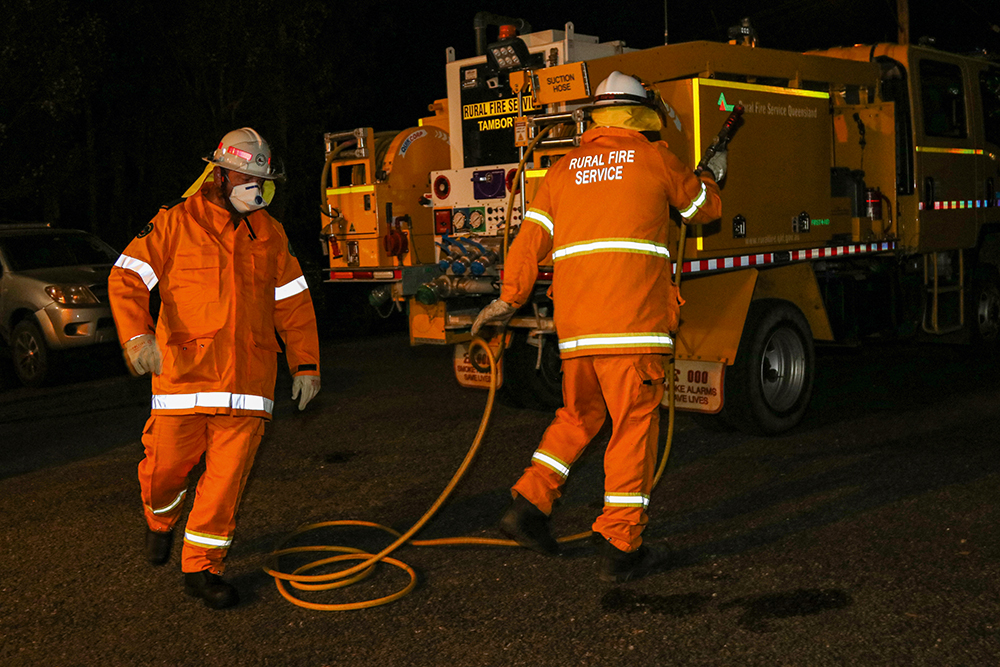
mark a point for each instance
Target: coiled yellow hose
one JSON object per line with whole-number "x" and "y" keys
{"x": 317, "y": 582}
{"x": 306, "y": 582}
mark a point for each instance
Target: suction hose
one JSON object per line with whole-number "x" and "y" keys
{"x": 316, "y": 582}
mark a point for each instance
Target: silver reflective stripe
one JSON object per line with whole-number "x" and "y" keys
{"x": 545, "y": 221}
{"x": 613, "y": 245}
{"x": 251, "y": 402}
{"x": 696, "y": 203}
{"x": 207, "y": 540}
{"x": 173, "y": 505}
{"x": 144, "y": 270}
{"x": 212, "y": 399}
{"x": 627, "y": 500}
{"x": 552, "y": 462}
{"x": 626, "y": 340}
{"x": 290, "y": 289}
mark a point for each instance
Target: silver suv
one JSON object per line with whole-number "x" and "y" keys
{"x": 53, "y": 295}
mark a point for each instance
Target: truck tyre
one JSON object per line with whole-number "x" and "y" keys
{"x": 768, "y": 389}
{"x": 524, "y": 386}
{"x": 30, "y": 355}
{"x": 984, "y": 310}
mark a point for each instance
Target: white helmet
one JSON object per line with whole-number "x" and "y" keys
{"x": 621, "y": 90}
{"x": 246, "y": 151}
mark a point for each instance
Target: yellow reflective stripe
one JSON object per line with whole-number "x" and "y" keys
{"x": 551, "y": 462}
{"x": 795, "y": 92}
{"x": 172, "y": 506}
{"x": 627, "y": 500}
{"x": 140, "y": 267}
{"x": 639, "y": 246}
{"x": 535, "y": 173}
{"x": 542, "y": 219}
{"x": 291, "y": 288}
{"x": 352, "y": 189}
{"x": 696, "y": 203}
{"x": 205, "y": 540}
{"x": 617, "y": 340}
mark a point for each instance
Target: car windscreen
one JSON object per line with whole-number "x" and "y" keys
{"x": 47, "y": 251}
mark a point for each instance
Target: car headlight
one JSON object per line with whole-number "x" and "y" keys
{"x": 71, "y": 295}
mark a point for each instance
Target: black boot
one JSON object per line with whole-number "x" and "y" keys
{"x": 529, "y": 526}
{"x": 210, "y": 587}
{"x": 158, "y": 545}
{"x": 620, "y": 566}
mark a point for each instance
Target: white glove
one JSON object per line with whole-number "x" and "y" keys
{"x": 305, "y": 388}
{"x": 497, "y": 312}
{"x": 717, "y": 165}
{"x": 143, "y": 355}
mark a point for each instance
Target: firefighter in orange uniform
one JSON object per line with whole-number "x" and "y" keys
{"x": 227, "y": 281}
{"x": 603, "y": 213}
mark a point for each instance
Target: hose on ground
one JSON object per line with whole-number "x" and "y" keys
{"x": 299, "y": 580}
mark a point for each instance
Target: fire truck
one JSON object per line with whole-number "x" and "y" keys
{"x": 861, "y": 201}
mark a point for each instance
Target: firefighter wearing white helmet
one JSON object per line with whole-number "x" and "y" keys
{"x": 245, "y": 152}
{"x": 603, "y": 210}
{"x": 622, "y": 90}
{"x": 228, "y": 281}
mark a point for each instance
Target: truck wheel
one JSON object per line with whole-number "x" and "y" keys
{"x": 524, "y": 386}
{"x": 984, "y": 318}
{"x": 31, "y": 357}
{"x": 768, "y": 389}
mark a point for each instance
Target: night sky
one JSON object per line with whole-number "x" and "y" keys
{"x": 106, "y": 107}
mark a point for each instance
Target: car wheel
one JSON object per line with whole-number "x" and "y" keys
{"x": 769, "y": 386}
{"x": 31, "y": 356}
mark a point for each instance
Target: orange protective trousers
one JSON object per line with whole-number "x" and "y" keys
{"x": 630, "y": 388}
{"x": 174, "y": 445}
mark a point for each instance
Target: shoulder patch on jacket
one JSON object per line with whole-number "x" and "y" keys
{"x": 170, "y": 205}
{"x": 145, "y": 231}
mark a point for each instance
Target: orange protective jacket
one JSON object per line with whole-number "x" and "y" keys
{"x": 224, "y": 290}
{"x": 603, "y": 213}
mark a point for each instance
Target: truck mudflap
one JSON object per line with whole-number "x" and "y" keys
{"x": 698, "y": 386}
{"x": 712, "y": 317}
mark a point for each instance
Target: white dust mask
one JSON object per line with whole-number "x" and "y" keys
{"x": 247, "y": 198}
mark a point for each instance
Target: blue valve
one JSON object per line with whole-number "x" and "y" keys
{"x": 445, "y": 260}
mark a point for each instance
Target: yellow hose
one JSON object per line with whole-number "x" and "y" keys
{"x": 358, "y": 572}
{"x": 361, "y": 570}
{"x": 306, "y": 582}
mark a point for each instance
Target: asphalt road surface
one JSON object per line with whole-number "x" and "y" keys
{"x": 866, "y": 536}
